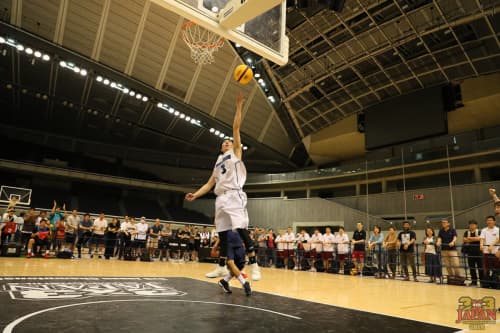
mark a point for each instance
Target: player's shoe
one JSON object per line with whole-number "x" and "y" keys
{"x": 248, "y": 290}
{"x": 46, "y": 256}
{"x": 256, "y": 276}
{"x": 225, "y": 286}
{"x": 219, "y": 271}
{"x": 28, "y": 256}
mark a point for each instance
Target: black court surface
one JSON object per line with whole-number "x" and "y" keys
{"x": 147, "y": 305}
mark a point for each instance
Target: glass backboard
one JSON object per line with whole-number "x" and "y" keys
{"x": 263, "y": 34}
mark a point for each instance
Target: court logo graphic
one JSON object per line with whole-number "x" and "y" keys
{"x": 85, "y": 289}
{"x": 476, "y": 313}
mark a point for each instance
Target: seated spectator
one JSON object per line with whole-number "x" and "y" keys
{"x": 154, "y": 237}
{"x": 342, "y": 241}
{"x": 40, "y": 240}
{"x": 111, "y": 236}
{"x": 141, "y": 236}
{"x": 328, "y": 245}
{"x": 447, "y": 239}
{"x": 84, "y": 234}
{"x": 358, "y": 241}
{"x": 390, "y": 245}
{"x": 100, "y": 225}
{"x": 432, "y": 265}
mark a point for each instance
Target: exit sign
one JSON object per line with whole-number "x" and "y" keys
{"x": 418, "y": 197}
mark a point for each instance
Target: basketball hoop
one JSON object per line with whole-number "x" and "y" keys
{"x": 202, "y": 42}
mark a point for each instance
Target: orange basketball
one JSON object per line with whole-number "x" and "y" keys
{"x": 243, "y": 74}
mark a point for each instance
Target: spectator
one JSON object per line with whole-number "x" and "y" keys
{"x": 55, "y": 216}
{"x": 154, "y": 237}
{"x": 489, "y": 246}
{"x": 270, "y": 248}
{"x": 40, "y": 240}
{"x": 84, "y": 234}
{"x": 9, "y": 228}
{"x": 60, "y": 230}
{"x": 447, "y": 239}
{"x": 100, "y": 225}
{"x": 141, "y": 236}
{"x": 29, "y": 227}
{"x": 406, "y": 240}
{"x": 375, "y": 245}
{"x": 316, "y": 247}
{"x": 289, "y": 241}
{"x": 390, "y": 245}
{"x": 328, "y": 244}
{"x": 111, "y": 233}
{"x": 128, "y": 231}
{"x": 183, "y": 235}
{"x": 205, "y": 237}
{"x": 196, "y": 244}
{"x": 261, "y": 246}
{"x": 72, "y": 223}
{"x": 9, "y": 213}
{"x": 41, "y": 216}
{"x": 303, "y": 246}
{"x": 432, "y": 266}
{"x": 470, "y": 248}
{"x": 342, "y": 242}
{"x": 280, "y": 249}
{"x": 358, "y": 241}
{"x": 163, "y": 243}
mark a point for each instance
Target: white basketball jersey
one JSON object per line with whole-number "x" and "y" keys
{"x": 230, "y": 173}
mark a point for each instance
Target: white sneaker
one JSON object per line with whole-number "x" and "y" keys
{"x": 219, "y": 271}
{"x": 256, "y": 276}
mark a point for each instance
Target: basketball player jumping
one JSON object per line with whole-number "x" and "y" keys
{"x": 228, "y": 177}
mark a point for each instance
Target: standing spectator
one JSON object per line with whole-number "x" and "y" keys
{"x": 328, "y": 244}
{"x": 84, "y": 234}
{"x": 41, "y": 216}
{"x": 128, "y": 231}
{"x": 111, "y": 233}
{"x": 280, "y": 250}
{"x": 141, "y": 236}
{"x": 489, "y": 246}
{"x": 40, "y": 240}
{"x": 60, "y": 230}
{"x": 154, "y": 237}
{"x": 163, "y": 244}
{"x": 316, "y": 247}
{"x": 406, "y": 240}
{"x": 432, "y": 266}
{"x": 183, "y": 235}
{"x": 205, "y": 237}
{"x": 471, "y": 248}
{"x": 390, "y": 245}
{"x": 375, "y": 245}
{"x": 29, "y": 226}
{"x": 8, "y": 230}
{"x": 289, "y": 241}
{"x": 447, "y": 239}
{"x": 342, "y": 242}
{"x": 303, "y": 246}
{"x": 100, "y": 225}
{"x": 196, "y": 244}
{"x": 261, "y": 247}
{"x": 270, "y": 248}
{"x": 55, "y": 216}
{"x": 72, "y": 223}
{"x": 358, "y": 241}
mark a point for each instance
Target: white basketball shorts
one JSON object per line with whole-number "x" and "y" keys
{"x": 231, "y": 211}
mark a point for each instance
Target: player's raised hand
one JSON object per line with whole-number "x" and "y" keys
{"x": 492, "y": 191}
{"x": 189, "y": 197}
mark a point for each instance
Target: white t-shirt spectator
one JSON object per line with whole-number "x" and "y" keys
{"x": 100, "y": 226}
{"x": 317, "y": 242}
{"x": 490, "y": 237}
{"x": 280, "y": 242}
{"x": 303, "y": 237}
{"x": 289, "y": 239}
{"x": 142, "y": 231}
{"x": 342, "y": 242}
{"x": 328, "y": 240}
{"x": 72, "y": 223}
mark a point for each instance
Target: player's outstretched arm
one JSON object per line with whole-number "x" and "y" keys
{"x": 493, "y": 194}
{"x": 202, "y": 190}
{"x": 240, "y": 99}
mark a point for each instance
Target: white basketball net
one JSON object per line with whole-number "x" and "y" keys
{"x": 202, "y": 42}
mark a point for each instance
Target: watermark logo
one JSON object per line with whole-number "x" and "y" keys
{"x": 476, "y": 313}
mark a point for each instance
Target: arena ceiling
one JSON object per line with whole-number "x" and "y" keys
{"x": 340, "y": 63}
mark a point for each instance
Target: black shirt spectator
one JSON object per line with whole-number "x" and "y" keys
{"x": 359, "y": 235}
{"x": 472, "y": 248}
{"x": 405, "y": 237}
{"x": 447, "y": 237}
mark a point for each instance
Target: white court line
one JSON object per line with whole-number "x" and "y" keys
{"x": 9, "y": 328}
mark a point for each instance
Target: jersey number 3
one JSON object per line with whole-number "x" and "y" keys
{"x": 223, "y": 167}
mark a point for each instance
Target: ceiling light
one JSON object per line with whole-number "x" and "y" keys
{"x": 37, "y": 95}
{"x": 98, "y": 78}
{"x": 212, "y": 130}
{"x": 38, "y": 54}
{"x": 193, "y": 121}
{"x": 106, "y": 116}
{"x": 9, "y": 86}
{"x": 138, "y": 96}
{"x": 89, "y": 111}
{"x": 215, "y": 9}
{"x": 176, "y": 113}
{"x": 24, "y": 91}
{"x": 46, "y": 57}
{"x": 249, "y": 60}
{"x": 95, "y": 112}
{"x": 106, "y": 81}
{"x": 188, "y": 118}
{"x": 117, "y": 120}
{"x": 132, "y": 93}
{"x": 222, "y": 135}
{"x": 182, "y": 116}
{"x": 171, "y": 110}
{"x": 19, "y": 47}
{"x": 237, "y": 45}
{"x": 76, "y": 69}
{"x": 2, "y": 40}
{"x": 217, "y": 132}
{"x": 160, "y": 105}
{"x": 62, "y": 64}
{"x": 257, "y": 75}
{"x": 113, "y": 85}
{"x": 145, "y": 99}
{"x": 83, "y": 72}
{"x": 29, "y": 51}
{"x": 245, "y": 148}
{"x": 125, "y": 90}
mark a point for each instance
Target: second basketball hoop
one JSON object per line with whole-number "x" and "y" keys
{"x": 202, "y": 42}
